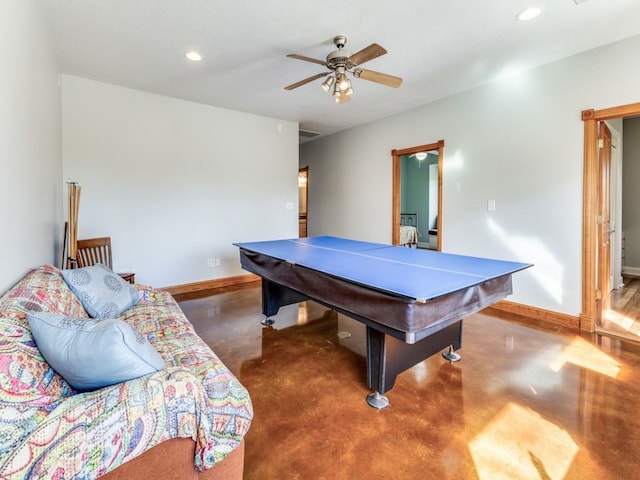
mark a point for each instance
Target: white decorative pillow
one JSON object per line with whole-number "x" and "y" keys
{"x": 103, "y": 294}
{"x": 91, "y": 353}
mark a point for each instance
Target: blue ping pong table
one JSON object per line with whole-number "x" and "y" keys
{"x": 411, "y": 301}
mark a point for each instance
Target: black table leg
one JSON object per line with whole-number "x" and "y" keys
{"x": 387, "y": 357}
{"x": 275, "y": 296}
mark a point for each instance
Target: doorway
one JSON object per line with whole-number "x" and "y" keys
{"x": 598, "y": 227}
{"x": 303, "y": 197}
{"x": 432, "y": 235}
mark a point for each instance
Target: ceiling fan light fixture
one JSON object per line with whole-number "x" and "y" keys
{"x": 328, "y": 83}
{"x": 340, "y": 63}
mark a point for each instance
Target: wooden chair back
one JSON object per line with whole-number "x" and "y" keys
{"x": 94, "y": 250}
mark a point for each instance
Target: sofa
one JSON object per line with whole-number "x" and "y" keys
{"x": 186, "y": 420}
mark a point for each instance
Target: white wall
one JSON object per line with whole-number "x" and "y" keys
{"x": 518, "y": 142}
{"x": 174, "y": 183}
{"x": 30, "y": 159}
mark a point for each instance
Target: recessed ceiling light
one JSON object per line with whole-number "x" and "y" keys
{"x": 193, "y": 56}
{"x": 529, "y": 13}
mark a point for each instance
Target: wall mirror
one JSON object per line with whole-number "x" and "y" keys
{"x": 417, "y": 196}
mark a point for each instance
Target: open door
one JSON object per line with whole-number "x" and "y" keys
{"x": 604, "y": 230}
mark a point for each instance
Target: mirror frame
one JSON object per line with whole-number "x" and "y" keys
{"x": 396, "y": 154}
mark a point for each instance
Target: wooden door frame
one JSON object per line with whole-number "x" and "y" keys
{"x": 589, "y": 206}
{"x": 396, "y": 154}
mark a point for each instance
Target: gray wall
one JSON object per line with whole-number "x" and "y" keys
{"x": 631, "y": 195}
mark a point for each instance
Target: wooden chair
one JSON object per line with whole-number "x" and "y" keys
{"x": 98, "y": 250}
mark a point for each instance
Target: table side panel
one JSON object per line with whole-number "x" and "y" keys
{"x": 410, "y": 320}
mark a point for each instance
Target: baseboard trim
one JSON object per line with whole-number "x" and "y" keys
{"x": 539, "y": 314}
{"x": 632, "y": 271}
{"x": 535, "y": 313}
{"x": 212, "y": 284}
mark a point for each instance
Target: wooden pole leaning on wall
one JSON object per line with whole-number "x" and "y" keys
{"x": 74, "y": 207}
{"x": 63, "y": 257}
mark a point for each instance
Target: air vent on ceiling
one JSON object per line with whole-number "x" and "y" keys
{"x": 307, "y": 133}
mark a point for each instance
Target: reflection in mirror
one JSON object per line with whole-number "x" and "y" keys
{"x": 419, "y": 200}
{"x": 417, "y": 196}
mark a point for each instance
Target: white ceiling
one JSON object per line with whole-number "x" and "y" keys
{"x": 439, "y": 47}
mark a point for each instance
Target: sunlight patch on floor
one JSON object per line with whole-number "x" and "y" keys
{"x": 518, "y": 444}
{"x": 586, "y": 355}
{"x": 622, "y": 321}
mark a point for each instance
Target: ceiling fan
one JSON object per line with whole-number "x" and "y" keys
{"x": 340, "y": 62}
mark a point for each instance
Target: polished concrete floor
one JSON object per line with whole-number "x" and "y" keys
{"x": 523, "y": 403}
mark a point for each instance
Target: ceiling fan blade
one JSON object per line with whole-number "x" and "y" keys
{"x": 383, "y": 78}
{"x": 306, "y": 80}
{"x": 369, "y": 53}
{"x": 306, "y": 59}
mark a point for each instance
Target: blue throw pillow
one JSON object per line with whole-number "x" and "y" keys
{"x": 91, "y": 353}
{"x": 103, "y": 294}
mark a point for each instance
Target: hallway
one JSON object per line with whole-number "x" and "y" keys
{"x": 623, "y": 318}
{"x": 524, "y": 402}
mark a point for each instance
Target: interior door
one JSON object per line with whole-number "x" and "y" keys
{"x": 616, "y": 211}
{"x": 603, "y": 279}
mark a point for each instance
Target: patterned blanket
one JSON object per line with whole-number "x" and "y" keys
{"x": 49, "y": 431}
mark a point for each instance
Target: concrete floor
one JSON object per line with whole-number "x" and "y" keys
{"x": 525, "y": 402}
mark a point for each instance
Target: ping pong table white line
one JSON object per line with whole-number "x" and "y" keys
{"x": 387, "y": 260}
